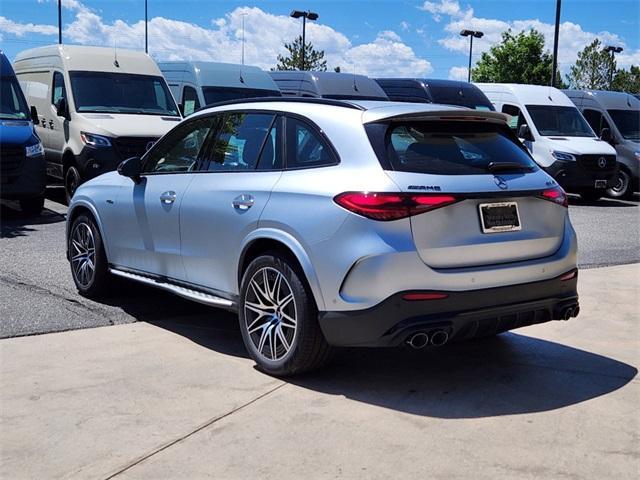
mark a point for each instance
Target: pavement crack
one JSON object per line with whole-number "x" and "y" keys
{"x": 201, "y": 427}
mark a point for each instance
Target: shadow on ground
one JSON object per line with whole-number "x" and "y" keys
{"x": 509, "y": 374}
{"x": 14, "y": 223}
{"x": 605, "y": 201}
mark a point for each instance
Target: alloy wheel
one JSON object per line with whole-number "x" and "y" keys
{"x": 83, "y": 254}
{"x": 270, "y": 313}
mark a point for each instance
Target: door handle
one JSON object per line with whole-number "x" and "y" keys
{"x": 168, "y": 197}
{"x": 243, "y": 202}
{"x": 51, "y": 124}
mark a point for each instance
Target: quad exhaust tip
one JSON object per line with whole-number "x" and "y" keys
{"x": 570, "y": 312}
{"x": 439, "y": 338}
{"x": 418, "y": 340}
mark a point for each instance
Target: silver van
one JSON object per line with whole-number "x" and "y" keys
{"x": 620, "y": 114}
{"x": 198, "y": 84}
{"x": 332, "y": 85}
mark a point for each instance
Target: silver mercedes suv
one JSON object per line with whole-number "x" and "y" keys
{"x": 327, "y": 223}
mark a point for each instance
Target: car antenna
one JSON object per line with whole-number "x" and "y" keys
{"x": 242, "y": 65}
{"x": 115, "y": 53}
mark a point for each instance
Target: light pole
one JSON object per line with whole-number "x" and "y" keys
{"x": 146, "y": 32}
{"x": 59, "y": 21}
{"x": 471, "y": 34}
{"x": 613, "y": 51}
{"x": 556, "y": 36}
{"x": 305, "y": 15}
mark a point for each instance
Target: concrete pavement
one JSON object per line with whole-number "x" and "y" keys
{"x": 179, "y": 399}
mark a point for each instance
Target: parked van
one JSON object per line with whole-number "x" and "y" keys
{"x": 617, "y": 115}
{"x": 22, "y": 164}
{"x": 97, "y": 106}
{"x": 557, "y": 135}
{"x": 338, "y": 86}
{"x": 196, "y": 84}
{"x": 425, "y": 90}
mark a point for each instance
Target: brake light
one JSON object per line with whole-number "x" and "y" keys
{"x": 391, "y": 206}
{"x": 556, "y": 195}
{"x": 423, "y": 296}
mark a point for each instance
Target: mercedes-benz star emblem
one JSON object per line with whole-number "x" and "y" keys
{"x": 602, "y": 162}
{"x": 500, "y": 183}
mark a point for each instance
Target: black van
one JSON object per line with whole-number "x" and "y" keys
{"x": 425, "y": 90}
{"x": 337, "y": 86}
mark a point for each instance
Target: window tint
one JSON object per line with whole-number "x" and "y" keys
{"x": 12, "y": 104}
{"x": 305, "y": 147}
{"x": 271, "y": 155}
{"x": 452, "y": 148}
{"x": 596, "y": 120}
{"x": 190, "y": 102}
{"x": 58, "y": 88}
{"x": 628, "y": 123}
{"x": 551, "y": 120}
{"x": 181, "y": 149}
{"x": 239, "y": 141}
{"x": 516, "y": 117}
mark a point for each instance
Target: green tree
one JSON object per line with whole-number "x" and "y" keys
{"x": 593, "y": 69}
{"x": 313, "y": 59}
{"x": 517, "y": 58}
{"x": 627, "y": 80}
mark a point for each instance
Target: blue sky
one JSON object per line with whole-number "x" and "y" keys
{"x": 375, "y": 37}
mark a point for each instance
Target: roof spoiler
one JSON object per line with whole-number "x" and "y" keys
{"x": 374, "y": 115}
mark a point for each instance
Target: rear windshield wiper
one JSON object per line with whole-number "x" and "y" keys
{"x": 504, "y": 166}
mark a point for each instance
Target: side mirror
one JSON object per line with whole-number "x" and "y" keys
{"x": 605, "y": 134}
{"x": 131, "y": 167}
{"x": 525, "y": 132}
{"x": 34, "y": 115}
{"x": 61, "y": 108}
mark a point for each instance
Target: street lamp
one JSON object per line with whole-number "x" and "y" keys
{"x": 471, "y": 34}
{"x": 305, "y": 15}
{"x": 613, "y": 51}
{"x": 146, "y": 31}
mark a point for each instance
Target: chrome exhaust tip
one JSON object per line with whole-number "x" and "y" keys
{"x": 418, "y": 340}
{"x": 439, "y": 338}
{"x": 576, "y": 311}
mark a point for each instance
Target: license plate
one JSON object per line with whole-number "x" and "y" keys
{"x": 499, "y": 217}
{"x": 601, "y": 184}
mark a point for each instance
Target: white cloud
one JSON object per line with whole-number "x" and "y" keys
{"x": 572, "y": 37}
{"x": 21, "y": 29}
{"x": 458, "y": 73}
{"x": 405, "y": 26}
{"x": 265, "y": 35}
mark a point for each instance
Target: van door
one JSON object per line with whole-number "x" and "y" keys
{"x": 58, "y": 126}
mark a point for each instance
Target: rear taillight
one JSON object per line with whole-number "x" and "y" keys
{"x": 391, "y": 206}
{"x": 556, "y": 195}
{"x": 420, "y": 296}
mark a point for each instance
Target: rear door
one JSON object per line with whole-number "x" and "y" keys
{"x": 498, "y": 216}
{"x": 225, "y": 200}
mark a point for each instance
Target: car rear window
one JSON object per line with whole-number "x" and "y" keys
{"x": 448, "y": 148}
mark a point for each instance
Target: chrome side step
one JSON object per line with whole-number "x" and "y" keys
{"x": 184, "y": 292}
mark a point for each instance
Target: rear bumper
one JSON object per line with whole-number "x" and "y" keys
{"x": 572, "y": 177}
{"x": 463, "y": 314}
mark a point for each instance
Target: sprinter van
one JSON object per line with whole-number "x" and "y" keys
{"x": 615, "y": 115}
{"x": 557, "y": 135}
{"x": 426, "y": 90}
{"x": 97, "y": 106}
{"x": 198, "y": 84}
{"x": 337, "y": 86}
{"x": 22, "y": 165}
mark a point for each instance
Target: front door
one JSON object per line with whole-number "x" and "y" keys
{"x": 148, "y": 234}
{"x": 57, "y": 126}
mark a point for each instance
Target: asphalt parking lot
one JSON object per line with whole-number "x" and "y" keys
{"x": 168, "y": 391}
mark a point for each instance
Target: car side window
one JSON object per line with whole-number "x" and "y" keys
{"x": 58, "y": 91}
{"x": 180, "y": 150}
{"x": 190, "y": 102}
{"x": 596, "y": 120}
{"x": 305, "y": 147}
{"x": 271, "y": 155}
{"x": 516, "y": 119}
{"x": 239, "y": 141}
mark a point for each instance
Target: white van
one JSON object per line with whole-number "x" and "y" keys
{"x": 557, "y": 135}
{"x": 198, "y": 84}
{"x": 97, "y": 106}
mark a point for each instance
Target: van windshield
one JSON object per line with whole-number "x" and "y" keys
{"x": 127, "y": 93}
{"x": 222, "y": 94}
{"x": 454, "y": 148}
{"x": 551, "y": 120}
{"x": 628, "y": 123}
{"x": 13, "y": 105}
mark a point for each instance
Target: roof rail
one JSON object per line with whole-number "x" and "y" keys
{"x": 321, "y": 101}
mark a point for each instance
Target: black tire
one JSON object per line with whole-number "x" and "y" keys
{"x": 308, "y": 349}
{"x": 591, "y": 195}
{"x": 72, "y": 181}
{"x": 98, "y": 285}
{"x": 622, "y": 188}
{"x": 32, "y": 206}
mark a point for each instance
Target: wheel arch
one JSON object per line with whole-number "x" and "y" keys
{"x": 81, "y": 206}
{"x": 264, "y": 240}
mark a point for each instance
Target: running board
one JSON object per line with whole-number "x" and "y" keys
{"x": 184, "y": 292}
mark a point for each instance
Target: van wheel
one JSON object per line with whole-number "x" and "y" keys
{"x": 32, "y": 206}
{"x": 622, "y": 187}
{"x": 72, "y": 181}
{"x": 88, "y": 258}
{"x": 279, "y": 318}
{"x": 591, "y": 195}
